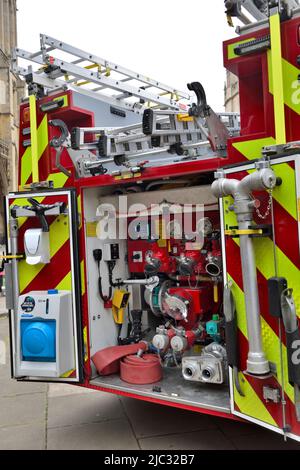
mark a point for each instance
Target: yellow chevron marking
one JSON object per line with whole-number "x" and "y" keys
{"x": 285, "y": 266}
{"x": 264, "y": 248}
{"x": 251, "y": 405}
{"x": 270, "y": 339}
{"x": 285, "y": 194}
{"x": 79, "y": 210}
{"x": 66, "y": 375}
{"x": 239, "y": 298}
{"x": 23, "y": 202}
{"x": 42, "y": 143}
{"x": 26, "y": 163}
{"x": 275, "y": 57}
{"x": 272, "y": 348}
{"x": 33, "y": 139}
{"x": 251, "y": 149}
{"x": 66, "y": 283}
{"x": 85, "y": 343}
{"x": 83, "y": 287}
{"x": 291, "y": 84}
{"x": 59, "y": 234}
{"x": 59, "y": 179}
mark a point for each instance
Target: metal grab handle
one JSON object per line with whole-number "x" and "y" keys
{"x": 231, "y": 335}
{"x": 217, "y": 131}
{"x": 201, "y": 109}
{"x": 58, "y": 164}
{"x": 291, "y": 325}
{"x": 288, "y": 310}
{"x": 64, "y": 133}
{"x": 57, "y": 143}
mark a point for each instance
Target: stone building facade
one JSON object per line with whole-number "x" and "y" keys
{"x": 11, "y": 92}
{"x": 232, "y": 102}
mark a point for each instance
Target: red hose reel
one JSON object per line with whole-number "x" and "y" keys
{"x": 134, "y": 368}
{"x": 141, "y": 370}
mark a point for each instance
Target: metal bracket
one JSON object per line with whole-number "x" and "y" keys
{"x": 9, "y": 257}
{"x": 258, "y": 231}
{"x": 39, "y": 210}
{"x": 288, "y": 309}
{"x": 271, "y": 394}
{"x": 37, "y": 186}
{"x": 235, "y": 233}
{"x": 231, "y": 334}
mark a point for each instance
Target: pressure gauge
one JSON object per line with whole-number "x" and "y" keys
{"x": 205, "y": 227}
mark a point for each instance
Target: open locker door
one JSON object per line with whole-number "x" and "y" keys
{"x": 268, "y": 399}
{"x": 44, "y": 286}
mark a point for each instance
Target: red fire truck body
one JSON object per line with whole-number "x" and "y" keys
{"x": 202, "y": 318}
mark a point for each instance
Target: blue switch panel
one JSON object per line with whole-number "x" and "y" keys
{"x": 38, "y": 340}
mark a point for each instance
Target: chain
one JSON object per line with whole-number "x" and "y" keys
{"x": 268, "y": 209}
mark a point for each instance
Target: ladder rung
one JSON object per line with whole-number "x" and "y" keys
{"x": 103, "y": 74}
{"x": 47, "y": 40}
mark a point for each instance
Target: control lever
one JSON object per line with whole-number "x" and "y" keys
{"x": 136, "y": 332}
{"x": 150, "y": 282}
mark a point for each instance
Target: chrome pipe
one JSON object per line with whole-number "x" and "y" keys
{"x": 263, "y": 179}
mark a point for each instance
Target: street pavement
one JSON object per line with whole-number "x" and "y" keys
{"x": 37, "y": 416}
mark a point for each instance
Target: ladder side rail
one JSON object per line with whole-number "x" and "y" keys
{"x": 82, "y": 73}
{"x": 254, "y": 11}
{"x": 31, "y": 57}
{"x": 47, "y": 40}
{"x": 89, "y": 76}
{"x": 55, "y": 84}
